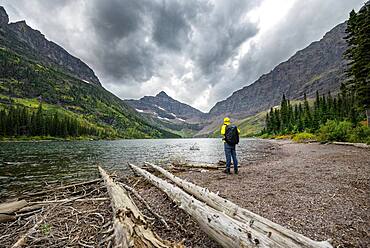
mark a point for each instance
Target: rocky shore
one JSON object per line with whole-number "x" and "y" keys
{"x": 320, "y": 191}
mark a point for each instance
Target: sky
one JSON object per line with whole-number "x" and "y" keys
{"x": 197, "y": 51}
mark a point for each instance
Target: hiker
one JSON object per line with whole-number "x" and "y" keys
{"x": 230, "y": 136}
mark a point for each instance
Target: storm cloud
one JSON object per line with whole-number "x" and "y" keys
{"x": 198, "y": 51}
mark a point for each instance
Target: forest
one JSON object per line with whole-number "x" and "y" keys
{"x": 330, "y": 118}
{"x": 344, "y": 117}
{"x": 22, "y": 121}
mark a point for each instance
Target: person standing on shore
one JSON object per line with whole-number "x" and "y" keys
{"x": 230, "y": 136}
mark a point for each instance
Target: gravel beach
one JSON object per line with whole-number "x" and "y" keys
{"x": 321, "y": 191}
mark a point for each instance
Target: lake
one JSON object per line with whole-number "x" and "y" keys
{"x": 29, "y": 165}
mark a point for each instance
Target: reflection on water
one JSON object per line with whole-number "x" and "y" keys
{"x": 25, "y": 165}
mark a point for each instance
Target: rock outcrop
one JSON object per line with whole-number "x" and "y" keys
{"x": 320, "y": 66}
{"x": 4, "y": 18}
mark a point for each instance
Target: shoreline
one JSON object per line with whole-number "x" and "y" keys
{"x": 318, "y": 190}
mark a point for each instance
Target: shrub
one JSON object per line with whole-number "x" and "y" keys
{"x": 335, "y": 131}
{"x": 304, "y": 137}
{"x": 344, "y": 131}
{"x": 359, "y": 134}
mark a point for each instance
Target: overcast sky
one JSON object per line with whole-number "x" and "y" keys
{"x": 198, "y": 51}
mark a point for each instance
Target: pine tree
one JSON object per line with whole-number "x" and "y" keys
{"x": 283, "y": 114}
{"x": 358, "y": 53}
{"x": 307, "y": 120}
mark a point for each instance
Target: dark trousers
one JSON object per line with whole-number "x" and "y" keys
{"x": 230, "y": 152}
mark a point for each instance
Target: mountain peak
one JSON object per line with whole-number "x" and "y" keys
{"x": 20, "y": 37}
{"x": 162, "y": 94}
{"x": 4, "y": 18}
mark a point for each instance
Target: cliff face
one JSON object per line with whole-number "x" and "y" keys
{"x": 4, "y": 18}
{"x": 320, "y": 66}
{"x": 22, "y": 39}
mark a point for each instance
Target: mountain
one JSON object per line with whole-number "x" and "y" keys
{"x": 33, "y": 70}
{"x": 167, "y": 113}
{"x": 320, "y": 66}
{"x": 164, "y": 107}
{"x": 22, "y": 39}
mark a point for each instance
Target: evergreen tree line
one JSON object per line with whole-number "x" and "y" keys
{"x": 292, "y": 118}
{"x": 23, "y": 121}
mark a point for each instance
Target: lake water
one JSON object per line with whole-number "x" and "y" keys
{"x": 28, "y": 165}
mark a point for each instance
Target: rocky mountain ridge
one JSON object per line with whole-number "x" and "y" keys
{"x": 22, "y": 39}
{"x": 320, "y": 66}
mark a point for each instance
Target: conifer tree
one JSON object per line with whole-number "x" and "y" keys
{"x": 358, "y": 54}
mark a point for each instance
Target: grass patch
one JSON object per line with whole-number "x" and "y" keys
{"x": 304, "y": 137}
{"x": 45, "y": 229}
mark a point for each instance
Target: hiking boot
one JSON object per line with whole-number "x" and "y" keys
{"x": 227, "y": 171}
{"x": 236, "y": 172}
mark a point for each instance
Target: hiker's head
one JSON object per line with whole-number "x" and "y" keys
{"x": 227, "y": 120}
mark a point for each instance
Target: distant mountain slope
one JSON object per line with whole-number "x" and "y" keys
{"x": 169, "y": 114}
{"x": 320, "y": 66}
{"x": 164, "y": 107}
{"x": 27, "y": 77}
{"x": 24, "y": 40}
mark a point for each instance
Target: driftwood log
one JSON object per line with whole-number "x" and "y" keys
{"x": 225, "y": 230}
{"x": 218, "y": 166}
{"x": 275, "y": 232}
{"x": 11, "y": 207}
{"x": 130, "y": 227}
{"x": 7, "y": 210}
{"x": 138, "y": 196}
{"x": 361, "y": 145}
{"x": 6, "y": 218}
{"x": 199, "y": 166}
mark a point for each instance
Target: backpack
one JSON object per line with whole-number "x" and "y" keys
{"x": 231, "y": 135}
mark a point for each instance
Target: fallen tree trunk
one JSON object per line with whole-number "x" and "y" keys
{"x": 361, "y": 145}
{"x": 199, "y": 166}
{"x": 6, "y": 218}
{"x": 138, "y": 196}
{"x": 31, "y": 207}
{"x": 11, "y": 207}
{"x": 275, "y": 232}
{"x": 227, "y": 231}
{"x": 130, "y": 226}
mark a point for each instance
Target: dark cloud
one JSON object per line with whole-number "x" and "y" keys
{"x": 220, "y": 32}
{"x": 116, "y": 19}
{"x": 171, "y": 25}
{"x": 188, "y": 48}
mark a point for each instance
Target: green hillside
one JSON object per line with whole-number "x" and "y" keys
{"x": 26, "y": 82}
